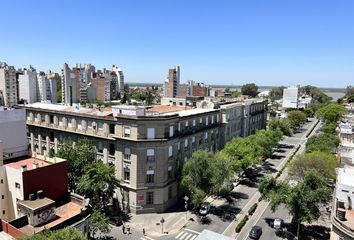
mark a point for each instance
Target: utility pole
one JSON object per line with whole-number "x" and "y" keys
{"x": 186, "y": 205}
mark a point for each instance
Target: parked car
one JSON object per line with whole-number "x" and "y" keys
{"x": 255, "y": 232}
{"x": 205, "y": 208}
{"x": 278, "y": 223}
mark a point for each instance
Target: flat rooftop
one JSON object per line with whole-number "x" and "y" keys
{"x": 346, "y": 176}
{"x": 36, "y": 204}
{"x": 29, "y": 162}
{"x": 62, "y": 213}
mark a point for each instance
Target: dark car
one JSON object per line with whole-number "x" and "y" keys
{"x": 255, "y": 232}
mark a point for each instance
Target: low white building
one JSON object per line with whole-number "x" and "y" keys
{"x": 345, "y": 186}
{"x": 13, "y": 132}
{"x": 290, "y": 97}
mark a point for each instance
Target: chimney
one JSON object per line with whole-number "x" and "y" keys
{"x": 35, "y": 165}
{"x": 24, "y": 168}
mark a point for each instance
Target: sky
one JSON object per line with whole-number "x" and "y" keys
{"x": 267, "y": 42}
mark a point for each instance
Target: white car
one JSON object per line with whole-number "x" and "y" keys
{"x": 204, "y": 210}
{"x": 278, "y": 223}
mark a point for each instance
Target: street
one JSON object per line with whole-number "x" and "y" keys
{"x": 227, "y": 211}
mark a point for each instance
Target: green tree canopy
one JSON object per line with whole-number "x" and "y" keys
{"x": 276, "y": 93}
{"x": 331, "y": 113}
{"x": 329, "y": 128}
{"x": 282, "y": 125}
{"x": 325, "y": 163}
{"x": 303, "y": 200}
{"x": 62, "y": 234}
{"x": 98, "y": 221}
{"x": 249, "y": 89}
{"x": 98, "y": 183}
{"x": 78, "y": 156}
{"x": 221, "y": 168}
{"x": 349, "y": 91}
{"x": 296, "y": 118}
{"x": 322, "y": 142}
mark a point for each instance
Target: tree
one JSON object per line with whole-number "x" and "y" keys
{"x": 329, "y": 128}
{"x": 303, "y": 200}
{"x": 331, "y": 113}
{"x": 325, "y": 163}
{"x": 78, "y": 157}
{"x": 296, "y": 118}
{"x": 98, "y": 184}
{"x": 323, "y": 142}
{"x": 349, "y": 91}
{"x": 66, "y": 233}
{"x": 308, "y": 112}
{"x": 249, "y": 89}
{"x": 221, "y": 168}
{"x": 282, "y": 125}
{"x": 196, "y": 172}
{"x": 235, "y": 94}
{"x": 98, "y": 221}
{"x": 276, "y": 93}
{"x": 124, "y": 98}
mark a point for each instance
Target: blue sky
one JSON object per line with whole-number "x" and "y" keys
{"x": 283, "y": 42}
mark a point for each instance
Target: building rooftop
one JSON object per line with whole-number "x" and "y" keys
{"x": 210, "y": 235}
{"x": 36, "y": 204}
{"x": 346, "y": 176}
{"x": 63, "y": 213}
{"x": 167, "y": 108}
{"x": 29, "y": 162}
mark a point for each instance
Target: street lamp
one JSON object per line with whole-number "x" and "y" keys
{"x": 186, "y": 205}
{"x": 162, "y": 221}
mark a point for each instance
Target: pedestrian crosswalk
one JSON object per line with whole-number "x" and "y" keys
{"x": 187, "y": 235}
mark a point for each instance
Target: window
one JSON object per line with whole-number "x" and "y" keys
{"x": 212, "y": 119}
{"x": 150, "y": 198}
{"x": 17, "y": 185}
{"x": 2, "y": 181}
{"x": 126, "y": 173}
{"x": 178, "y": 146}
{"x": 179, "y": 127}
{"x": 200, "y": 120}
{"x": 186, "y": 143}
{"x": 170, "y": 153}
{"x": 3, "y": 211}
{"x": 151, "y": 133}
{"x": 171, "y": 131}
{"x": 193, "y": 122}
{"x": 217, "y": 118}
{"x": 206, "y": 120}
{"x": 69, "y": 122}
{"x": 60, "y": 120}
{"x": 51, "y": 136}
{"x": 100, "y": 125}
{"x": 79, "y": 126}
{"x": 127, "y": 153}
{"x": 187, "y": 123}
{"x": 169, "y": 192}
{"x": 112, "y": 149}
{"x": 126, "y": 131}
{"x": 111, "y": 128}
{"x": 169, "y": 172}
{"x": 150, "y": 153}
{"x": 89, "y": 124}
{"x": 206, "y": 137}
{"x": 51, "y": 119}
{"x": 2, "y": 196}
{"x": 150, "y": 176}
{"x": 100, "y": 147}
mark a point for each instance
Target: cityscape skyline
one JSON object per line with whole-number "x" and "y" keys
{"x": 273, "y": 43}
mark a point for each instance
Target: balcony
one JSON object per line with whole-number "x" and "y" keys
{"x": 150, "y": 158}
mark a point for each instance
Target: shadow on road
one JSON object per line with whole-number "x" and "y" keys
{"x": 315, "y": 232}
{"x": 277, "y": 157}
{"x": 286, "y": 146}
{"x": 226, "y": 213}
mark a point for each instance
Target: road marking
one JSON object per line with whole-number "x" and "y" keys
{"x": 190, "y": 230}
{"x": 146, "y": 238}
{"x": 257, "y": 219}
{"x": 193, "y": 237}
{"x": 179, "y": 234}
{"x": 183, "y": 235}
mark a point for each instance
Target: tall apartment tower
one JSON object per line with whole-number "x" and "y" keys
{"x": 171, "y": 88}
{"x": 47, "y": 88}
{"x": 120, "y": 78}
{"x": 28, "y": 86}
{"x": 8, "y": 85}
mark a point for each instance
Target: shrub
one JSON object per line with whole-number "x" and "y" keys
{"x": 252, "y": 209}
{"x": 241, "y": 224}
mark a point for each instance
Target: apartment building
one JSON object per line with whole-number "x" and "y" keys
{"x": 37, "y": 87}
{"x": 290, "y": 97}
{"x": 84, "y": 83}
{"x": 8, "y": 85}
{"x": 147, "y": 145}
{"x": 171, "y": 86}
{"x": 13, "y": 132}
